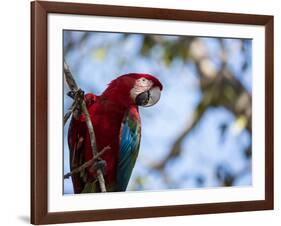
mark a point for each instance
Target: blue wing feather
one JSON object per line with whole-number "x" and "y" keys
{"x": 130, "y": 135}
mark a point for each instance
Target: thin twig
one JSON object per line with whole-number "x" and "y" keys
{"x": 69, "y": 78}
{"x": 86, "y": 164}
{"x": 73, "y": 87}
{"x": 68, "y": 114}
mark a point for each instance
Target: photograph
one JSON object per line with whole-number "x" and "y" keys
{"x": 142, "y": 112}
{"x": 155, "y": 112}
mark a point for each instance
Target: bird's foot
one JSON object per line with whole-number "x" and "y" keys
{"x": 78, "y": 97}
{"x": 100, "y": 165}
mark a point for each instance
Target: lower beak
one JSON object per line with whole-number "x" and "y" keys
{"x": 149, "y": 97}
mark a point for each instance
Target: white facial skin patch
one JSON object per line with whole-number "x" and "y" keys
{"x": 142, "y": 85}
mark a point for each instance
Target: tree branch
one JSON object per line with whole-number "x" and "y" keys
{"x": 74, "y": 89}
{"x": 176, "y": 148}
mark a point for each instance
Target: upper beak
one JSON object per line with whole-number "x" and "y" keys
{"x": 149, "y": 97}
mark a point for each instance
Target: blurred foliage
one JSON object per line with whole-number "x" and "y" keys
{"x": 221, "y": 84}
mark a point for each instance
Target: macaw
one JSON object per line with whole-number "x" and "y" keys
{"x": 116, "y": 122}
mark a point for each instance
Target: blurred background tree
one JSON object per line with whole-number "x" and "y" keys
{"x": 199, "y": 134}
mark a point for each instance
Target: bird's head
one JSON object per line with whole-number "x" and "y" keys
{"x": 134, "y": 89}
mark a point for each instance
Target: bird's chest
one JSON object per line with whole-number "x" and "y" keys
{"x": 106, "y": 123}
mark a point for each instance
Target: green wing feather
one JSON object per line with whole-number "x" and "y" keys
{"x": 130, "y": 135}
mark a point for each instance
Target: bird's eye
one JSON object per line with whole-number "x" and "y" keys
{"x": 143, "y": 80}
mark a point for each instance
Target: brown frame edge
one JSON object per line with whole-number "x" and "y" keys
{"x": 39, "y": 117}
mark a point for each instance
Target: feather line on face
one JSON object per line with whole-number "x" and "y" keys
{"x": 141, "y": 85}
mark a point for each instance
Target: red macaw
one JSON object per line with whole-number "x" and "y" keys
{"x": 116, "y": 121}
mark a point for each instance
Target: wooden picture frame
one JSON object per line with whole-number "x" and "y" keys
{"x": 39, "y": 111}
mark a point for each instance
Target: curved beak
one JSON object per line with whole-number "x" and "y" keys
{"x": 149, "y": 97}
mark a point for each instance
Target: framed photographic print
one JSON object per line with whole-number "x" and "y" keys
{"x": 147, "y": 112}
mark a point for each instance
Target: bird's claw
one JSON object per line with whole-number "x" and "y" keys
{"x": 78, "y": 96}
{"x": 100, "y": 165}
